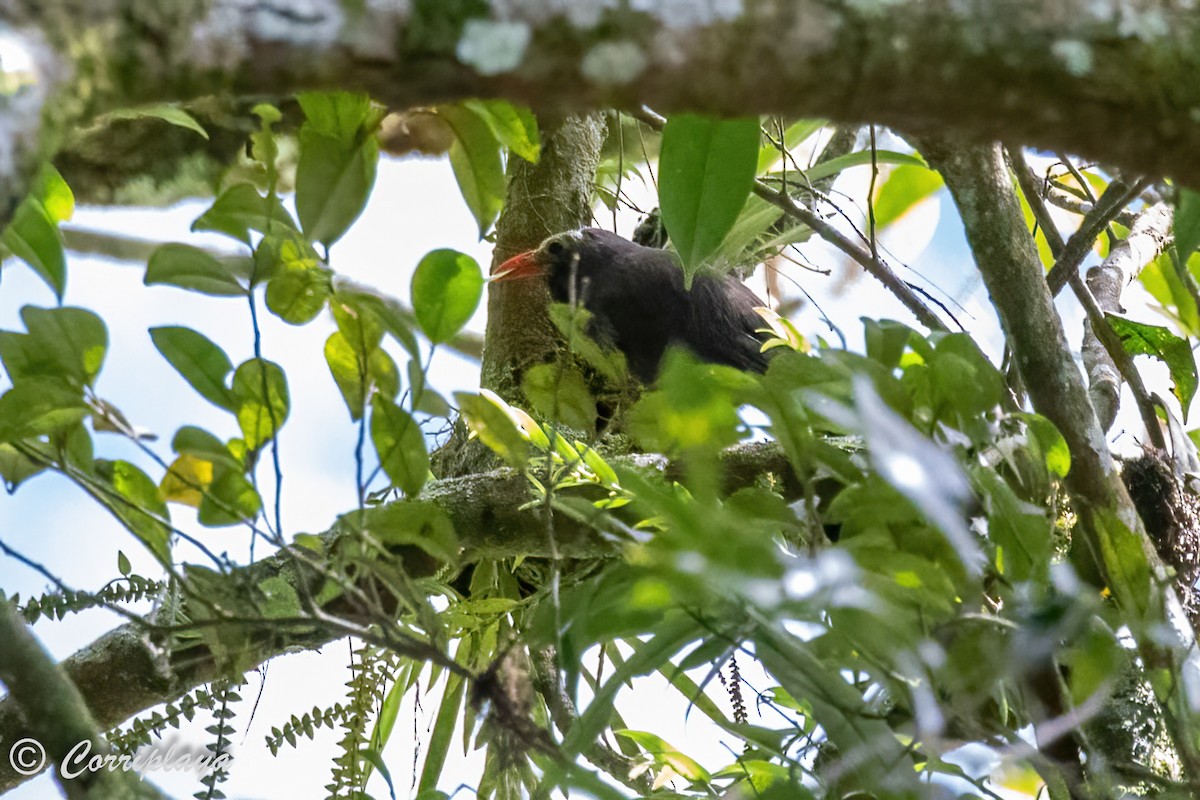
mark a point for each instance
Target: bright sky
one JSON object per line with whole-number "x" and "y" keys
{"x": 415, "y": 208}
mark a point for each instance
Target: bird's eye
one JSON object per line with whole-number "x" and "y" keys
{"x": 556, "y": 249}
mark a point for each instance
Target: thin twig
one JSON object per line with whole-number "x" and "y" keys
{"x": 1115, "y": 197}
{"x": 876, "y": 267}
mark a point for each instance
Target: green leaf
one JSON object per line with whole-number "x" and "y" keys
{"x": 514, "y": 126}
{"x": 1163, "y": 279}
{"x": 572, "y": 322}
{"x": 492, "y": 424}
{"x": 339, "y": 155}
{"x": 796, "y": 133}
{"x": 54, "y": 194}
{"x": 441, "y": 736}
{"x": 1154, "y": 340}
{"x": 1022, "y": 533}
{"x": 887, "y": 340}
{"x": 477, "y": 162}
{"x": 903, "y": 191}
{"x": 39, "y": 406}
{"x": 400, "y": 445}
{"x": 191, "y": 268}
{"x": 367, "y": 311}
{"x": 264, "y": 146}
{"x": 298, "y": 294}
{"x": 230, "y": 499}
{"x": 241, "y": 209}
{"x": 140, "y": 507}
{"x": 63, "y": 344}
{"x": 1049, "y": 442}
{"x": 167, "y": 112}
{"x": 446, "y": 288}
{"x": 666, "y": 755}
{"x": 706, "y": 171}
{"x": 261, "y": 401}
{"x": 560, "y": 393}
{"x": 199, "y": 360}
{"x": 1187, "y": 223}
{"x": 357, "y": 373}
{"x": 15, "y": 467}
{"x": 33, "y": 235}
{"x": 692, "y": 409}
{"x": 195, "y": 441}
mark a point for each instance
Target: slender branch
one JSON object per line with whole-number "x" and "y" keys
{"x": 548, "y": 683}
{"x": 1107, "y": 363}
{"x": 1115, "y": 198}
{"x": 1104, "y": 357}
{"x": 872, "y": 264}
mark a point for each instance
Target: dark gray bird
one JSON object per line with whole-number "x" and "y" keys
{"x": 639, "y": 304}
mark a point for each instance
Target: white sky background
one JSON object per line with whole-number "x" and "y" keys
{"x": 415, "y": 208}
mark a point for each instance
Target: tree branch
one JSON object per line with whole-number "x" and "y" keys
{"x": 914, "y": 65}
{"x": 491, "y": 519}
{"x": 1104, "y": 357}
{"x": 56, "y": 715}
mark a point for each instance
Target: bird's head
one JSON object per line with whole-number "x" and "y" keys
{"x": 578, "y": 253}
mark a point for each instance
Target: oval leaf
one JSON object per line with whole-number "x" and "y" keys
{"x": 139, "y": 505}
{"x": 446, "y": 289}
{"x": 1187, "y": 223}
{"x": 200, "y": 361}
{"x": 400, "y": 445}
{"x": 478, "y": 166}
{"x": 1141, "y": 339}
{"x": 338, "y": 158}
{"x": 260, "y": 394}
{"x": 241, "y": 209}
{"x": 191, "y": 268}
{"x": 63, "y": 344}
{"x": 706, "y": 172}
{"x": 514, "y": 126}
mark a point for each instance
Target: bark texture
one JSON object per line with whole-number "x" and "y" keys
{"x": 1112, "y": 81}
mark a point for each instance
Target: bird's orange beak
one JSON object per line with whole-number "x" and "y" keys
{"x": 525, "y": 265}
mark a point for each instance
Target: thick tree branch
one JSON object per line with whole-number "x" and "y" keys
{"x": 1107, "y": 207}
{"x": 56, "y": 715}
{"x": 1110, "y": 540}
{"x": 1007, "y": 69}
{"x": 130, "y": 669}
{"x": 1004, "y": 251}
{"x": 1109, "y": 543}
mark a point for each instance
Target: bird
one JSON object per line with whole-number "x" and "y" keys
{"x": 639, "y": 303}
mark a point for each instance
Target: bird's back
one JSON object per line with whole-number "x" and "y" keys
{"x": 640, "y": 304}
{"x": 723, "y": 325}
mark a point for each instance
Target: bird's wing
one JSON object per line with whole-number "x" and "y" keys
{"x": 724, "y": 325}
